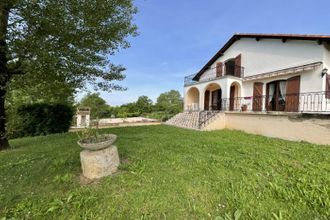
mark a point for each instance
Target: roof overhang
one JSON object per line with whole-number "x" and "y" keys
{"x": 282, "y": 72}
{"x": 284, "y": 37}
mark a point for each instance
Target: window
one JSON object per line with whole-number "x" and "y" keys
{"x": 230, "y": 67}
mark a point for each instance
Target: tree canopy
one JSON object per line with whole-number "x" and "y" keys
{"x": 170, "y": 102}
{"x": 69, "y": 42}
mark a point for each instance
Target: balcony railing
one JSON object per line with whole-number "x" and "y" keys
{"x": 311, "y": 102}
{"x": 188, "y": 80}
{"x": 211, "y": 74}
{"x": 301, "y": 102}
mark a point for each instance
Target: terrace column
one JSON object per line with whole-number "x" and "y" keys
{"x": 264, "y": 90}
{"x": 201, "y": 99}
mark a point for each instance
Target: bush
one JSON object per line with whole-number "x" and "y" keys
{"x": 161, "y": 115}
{"x": 40, "y": 119}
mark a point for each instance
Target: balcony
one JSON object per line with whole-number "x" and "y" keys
{"x": 213, "y": 73}
{"x": 311, "y": 102}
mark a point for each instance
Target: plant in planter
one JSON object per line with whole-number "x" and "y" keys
{"x": 99, "y": 157}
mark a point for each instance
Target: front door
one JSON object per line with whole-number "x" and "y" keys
{"x": 257, "y": 96}
{"x": 216, "y": 99}
{"x": 207, "y": 100}
{"x": 292, "y": 94}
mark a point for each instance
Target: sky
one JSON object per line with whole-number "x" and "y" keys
{"x": 177, "y": 37}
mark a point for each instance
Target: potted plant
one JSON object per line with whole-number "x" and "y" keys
{"x": 244, "y": 108}
{"x": 90, "y": 139}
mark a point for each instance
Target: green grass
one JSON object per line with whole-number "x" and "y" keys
{"x": 169, "y": 173}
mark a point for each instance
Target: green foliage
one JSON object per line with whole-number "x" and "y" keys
{"x": 41, "y": 119}
{"x": 99, "y": 107}
{"x": 68, "y": 42}
{"x": 162, "y": 116}
{"x": 212, "y": 175}
{"x": 144, "y": 104}
{"x": 170, "y": 102}
{"x": 88, "y": 133}
{"x": 59, "y": 46}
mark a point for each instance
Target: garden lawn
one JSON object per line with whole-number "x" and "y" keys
{"x": 171, "y": 173}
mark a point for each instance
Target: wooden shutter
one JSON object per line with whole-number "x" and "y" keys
{"x": 292, "y": 94}
{"x": 232, "y": 98}
{"x": 327, "y": 86}
{"x": 238, "y": 69}
{"x": 257, "y": 96}
{"x": 219, "y": 69}
{"x": 206, "y": 100}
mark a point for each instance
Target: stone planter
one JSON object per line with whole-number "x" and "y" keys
{"x": 109, "y": 139}
{"x": 99, "y": 159}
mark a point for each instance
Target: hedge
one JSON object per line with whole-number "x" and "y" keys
{"x": 41, "y": 119}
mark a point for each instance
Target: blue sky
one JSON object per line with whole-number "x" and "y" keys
{"x": 177, "y": 37}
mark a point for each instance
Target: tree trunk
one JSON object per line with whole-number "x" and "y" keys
{"x": 3, "y": 137}
{"x": 4, "y": 73}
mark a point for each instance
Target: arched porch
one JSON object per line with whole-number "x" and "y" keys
{"x": 213, "y": 97}
{"x": 235, "y": 97}
{"x": 192, "y": 99}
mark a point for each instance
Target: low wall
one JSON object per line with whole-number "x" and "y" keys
{"x": 296, "y": 127}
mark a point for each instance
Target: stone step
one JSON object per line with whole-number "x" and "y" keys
{"x": 192, "y": 120}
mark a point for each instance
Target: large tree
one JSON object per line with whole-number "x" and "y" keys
{"x": 170, "y": 102}
{"x": 69, "y": 41}
{"x": 144, "y": 104}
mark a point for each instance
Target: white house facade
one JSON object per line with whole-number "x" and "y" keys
{"x": 264, "y": 73}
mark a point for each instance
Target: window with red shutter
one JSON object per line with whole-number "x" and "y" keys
{"x": 238, "y": 69}
{"x": 219, "y": 69}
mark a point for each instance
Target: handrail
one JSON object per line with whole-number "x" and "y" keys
{"x": 293, "y": 102}
{"x": 205, "y": 117}
{"x": 188, "y": 80}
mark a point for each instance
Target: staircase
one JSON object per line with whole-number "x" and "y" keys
{"x": 185, "y": 120}
{"x": 192, "y": 120}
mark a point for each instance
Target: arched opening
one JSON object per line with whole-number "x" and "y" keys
{"x": 213, "y": 97}
{"x": 235, "y": 97}
{"x": 192, "y": 99}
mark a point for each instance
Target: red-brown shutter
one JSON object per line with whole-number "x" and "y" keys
{"x": 292, "y": 94}
{"x": 327, "y": 87}
{"x": 238, "y": 69}
{"x": 219, "y": 69}
{"x": 232, "y": 98}
{"x": 206, "y": 100}
{"x": 257, "y": 96}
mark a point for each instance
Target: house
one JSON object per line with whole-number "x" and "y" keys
{"x": 260, "y": 74}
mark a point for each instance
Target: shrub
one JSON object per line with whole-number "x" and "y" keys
{"x": 160, "y": 115}
{"x": 40, "y": 119}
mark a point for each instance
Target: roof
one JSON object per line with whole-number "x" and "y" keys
{"x": 284, "y": 37}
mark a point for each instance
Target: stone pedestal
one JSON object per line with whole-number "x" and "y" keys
{"x": 97, "y": 164}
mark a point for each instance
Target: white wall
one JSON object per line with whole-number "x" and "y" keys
{"x": 286, "y": 126}
{"x": 271, "y": 54}
{"x": 310, "y": 81}
{"x": 326, "y": 62}
{"x": 327, "y": 55}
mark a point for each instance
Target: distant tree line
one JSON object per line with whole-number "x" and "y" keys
{"x": 167, "y": 104}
